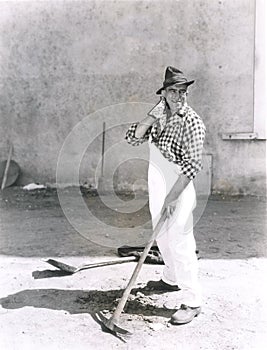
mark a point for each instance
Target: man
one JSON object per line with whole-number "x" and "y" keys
{"x": 176, "y": 136}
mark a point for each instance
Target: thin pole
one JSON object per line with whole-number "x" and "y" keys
{"x": 103, "y": 148}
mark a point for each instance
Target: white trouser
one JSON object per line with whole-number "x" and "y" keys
{"x": 176, "y": 241}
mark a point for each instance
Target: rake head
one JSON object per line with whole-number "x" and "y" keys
{"x": 109, "y": 326}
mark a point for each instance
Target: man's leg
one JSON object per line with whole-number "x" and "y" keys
{"x": 157, "y": 194}
{"x": 177, "y": 245}
{"x": 182, "y": 248}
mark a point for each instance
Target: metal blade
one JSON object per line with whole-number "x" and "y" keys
{"x": 60, "y": 265}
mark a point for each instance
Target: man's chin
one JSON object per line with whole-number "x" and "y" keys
{"x": 175, "y": 106}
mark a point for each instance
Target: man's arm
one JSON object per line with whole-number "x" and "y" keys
{"x": 143, "y": 126}
{"x": 172, "y": 197}
{"x": 190, "y": 167}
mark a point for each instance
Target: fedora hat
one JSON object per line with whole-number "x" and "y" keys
{"x": 174, "y": 76}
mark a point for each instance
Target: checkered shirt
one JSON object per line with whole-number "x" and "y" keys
{"x": 179, "y": 138}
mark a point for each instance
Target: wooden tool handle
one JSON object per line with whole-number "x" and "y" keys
{"x": 127, "y": 291}
{"x": 107, "y": 263}
{"x": 7, "y": 167}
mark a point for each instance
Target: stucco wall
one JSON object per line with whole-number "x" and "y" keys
{"x": 62, "y": 60}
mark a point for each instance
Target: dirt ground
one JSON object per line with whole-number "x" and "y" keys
{"x": 42, "y": 308}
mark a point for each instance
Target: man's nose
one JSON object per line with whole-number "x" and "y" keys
{"x": 176, "y": 98}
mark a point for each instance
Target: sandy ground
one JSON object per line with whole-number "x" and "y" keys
{"x": 41, "y": 308}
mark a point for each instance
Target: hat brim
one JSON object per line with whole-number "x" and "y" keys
{"x": 182, "y": 83}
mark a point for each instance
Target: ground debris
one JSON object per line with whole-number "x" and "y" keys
{"x": 156, "y": 326}
{"x": 144, "y": 305}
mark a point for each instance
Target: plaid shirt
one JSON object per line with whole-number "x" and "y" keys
{"x": 179, "y": 138}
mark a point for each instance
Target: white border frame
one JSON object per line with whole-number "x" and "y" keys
{"x": 260, "y": 95}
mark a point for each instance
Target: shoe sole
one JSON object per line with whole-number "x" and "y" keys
{"x": 160, "y": 287}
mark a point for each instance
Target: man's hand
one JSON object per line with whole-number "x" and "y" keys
{"x": 171, "y": 199}
{"x": 169, "y": 206}
{"x": 152, "y": 116}
{"x": 158, "y": 110}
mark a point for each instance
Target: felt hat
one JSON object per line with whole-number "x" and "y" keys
{"x": 174, "y": 76}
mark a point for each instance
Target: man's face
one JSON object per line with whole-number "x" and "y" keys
{"x": 175, "y": 96}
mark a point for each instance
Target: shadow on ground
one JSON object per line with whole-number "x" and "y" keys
{"x": 79, "y": 301}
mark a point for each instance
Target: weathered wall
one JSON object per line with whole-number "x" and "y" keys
{"x": 62, "y": 60}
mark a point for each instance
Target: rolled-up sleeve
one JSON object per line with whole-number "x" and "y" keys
{"x": 134, "y": 141}
{"x": 193, "y": 141}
